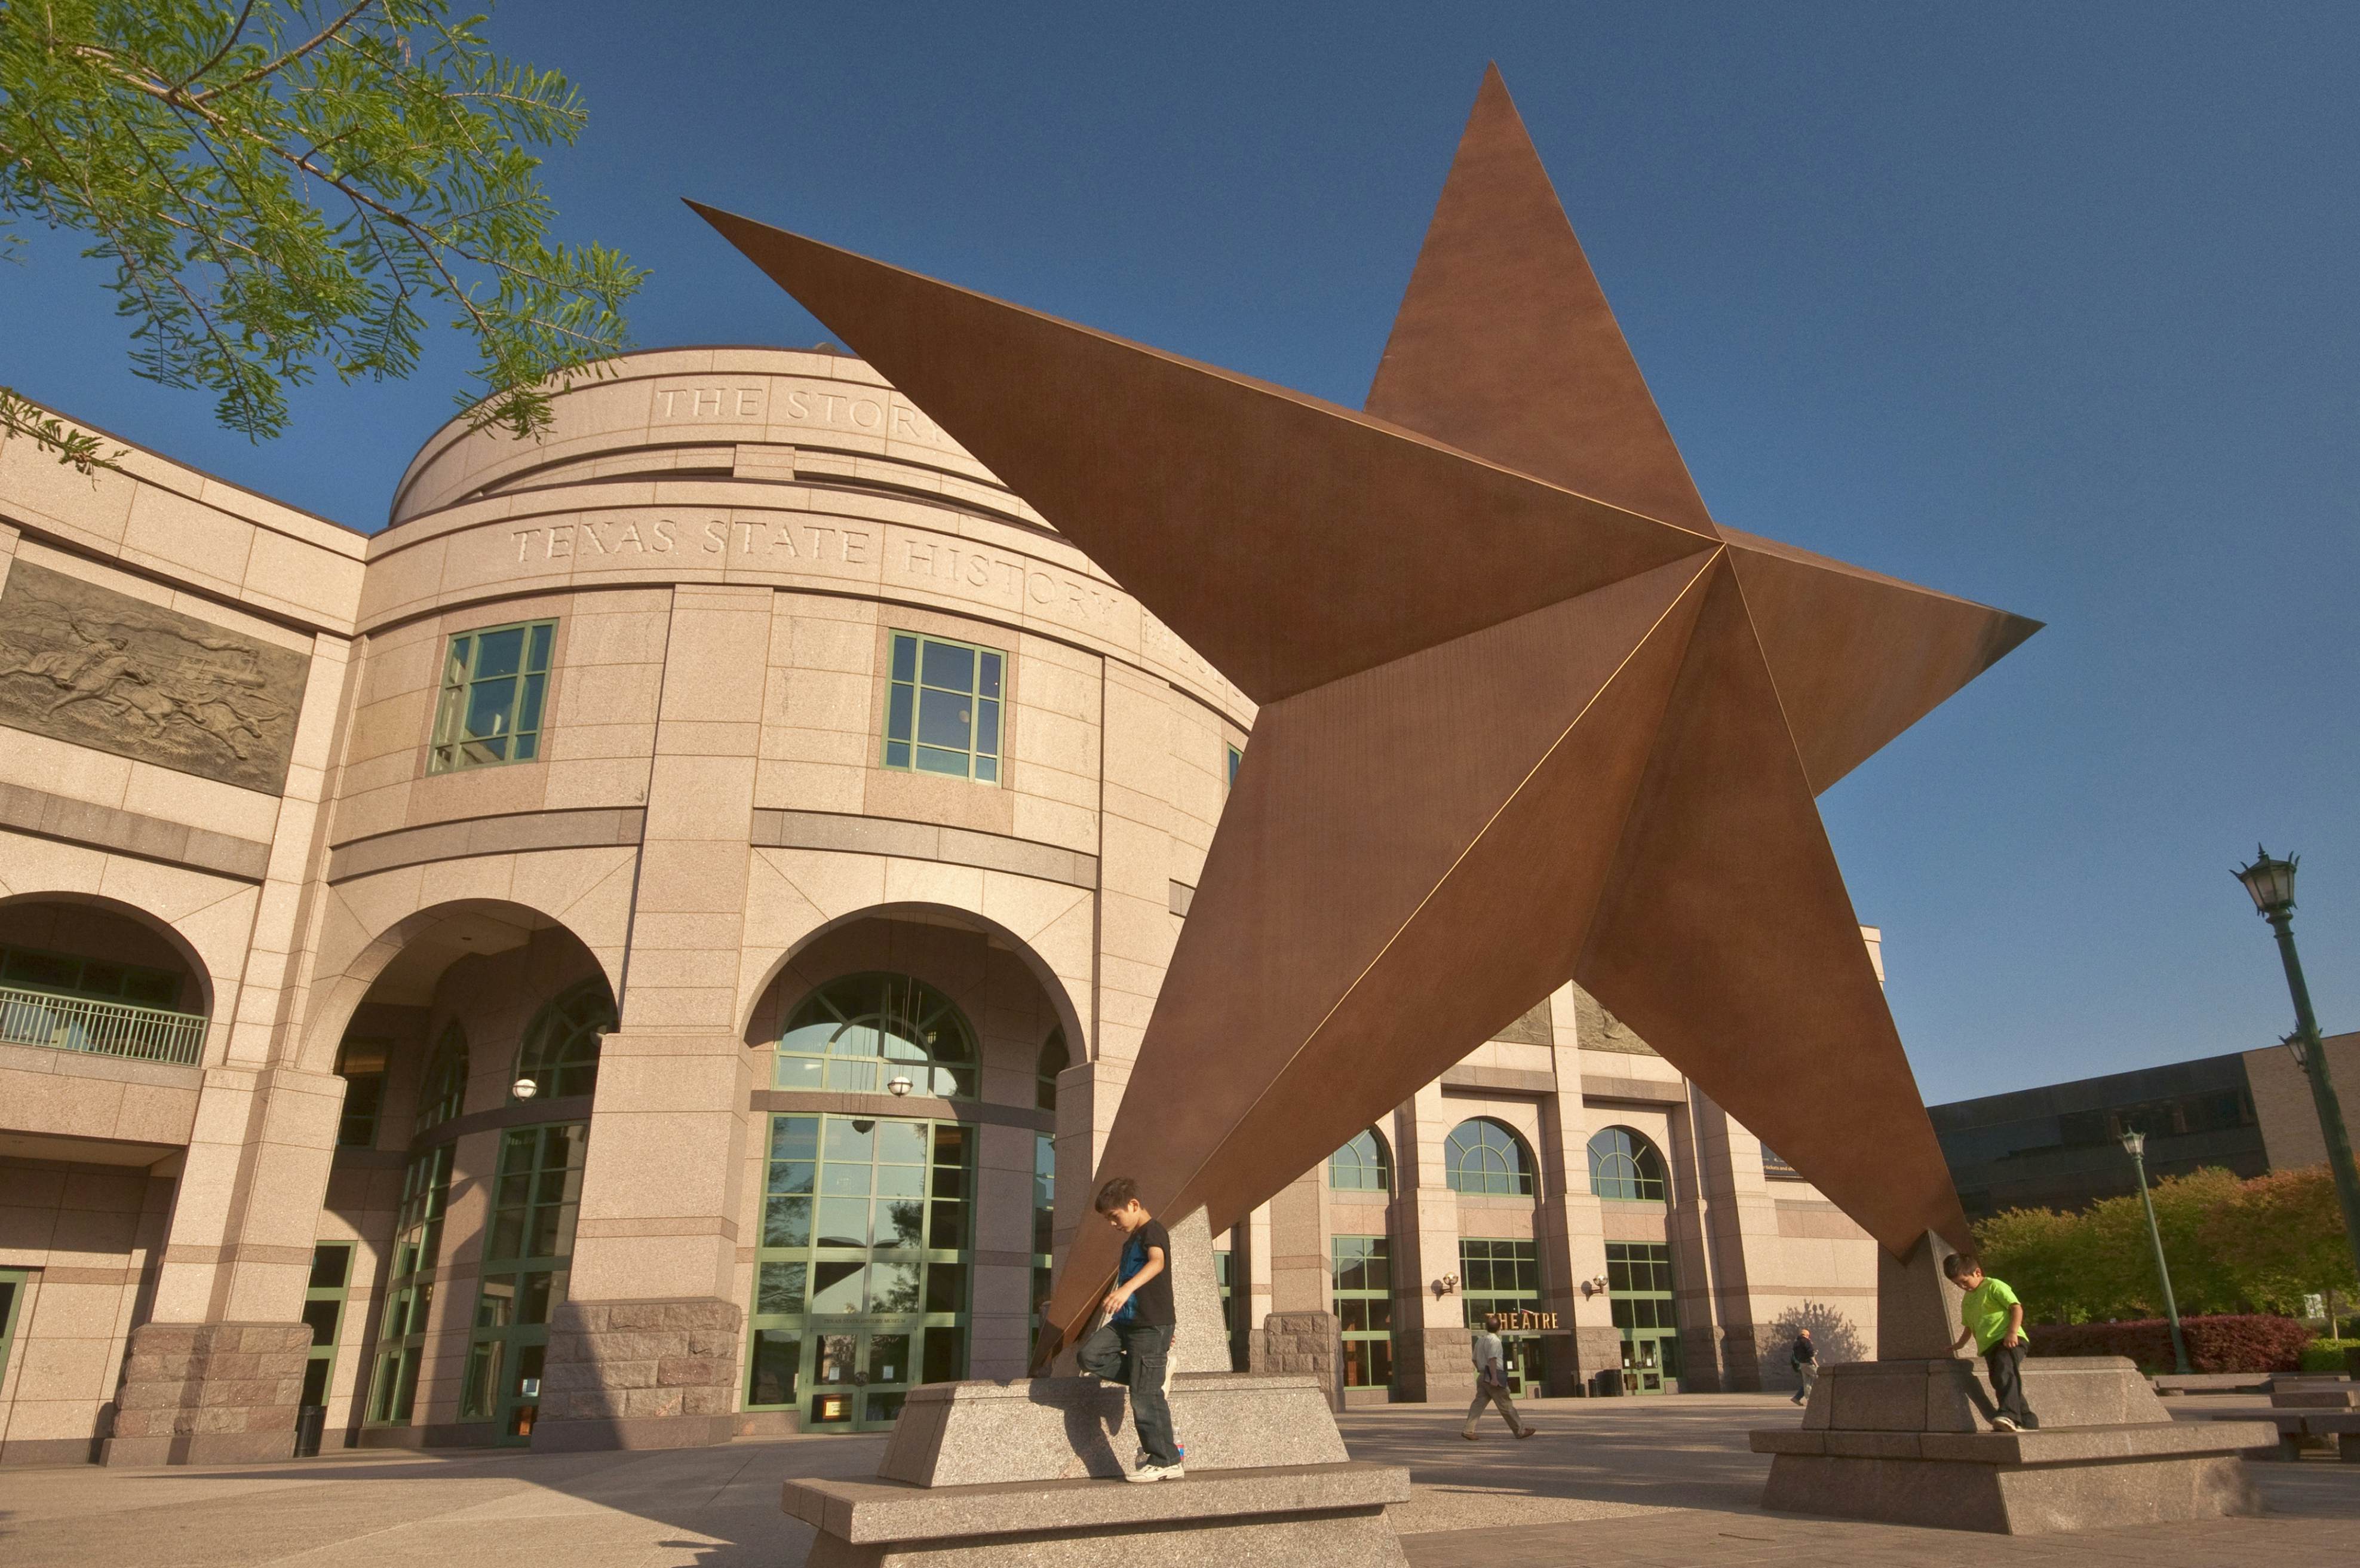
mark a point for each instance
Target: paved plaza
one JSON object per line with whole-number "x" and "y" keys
{"x": 1614, "y": 1482}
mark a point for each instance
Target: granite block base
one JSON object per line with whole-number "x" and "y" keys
{"x": 2011, "y": 1500}
{"x": 1905, "y": 1443}
{"x": 1317, "y": 1516}
{"x": 208, "y": 1394}
{"x": 1047, "y": 1428}
{"x": 648, "y": 1374}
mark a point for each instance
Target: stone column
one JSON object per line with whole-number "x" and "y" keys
{"x": 644, "y": 1354}
{"x": 214, "y": 1374}
{"x": 1430, "y": 1336}
{"x": 1301, "y": 1334}
{"x": 1571, "y": 1230}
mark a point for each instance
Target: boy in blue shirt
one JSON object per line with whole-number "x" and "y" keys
{"x": 1135, "y": 1346}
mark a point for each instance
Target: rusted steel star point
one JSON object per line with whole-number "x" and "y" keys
{"x": 1540, "y": 719}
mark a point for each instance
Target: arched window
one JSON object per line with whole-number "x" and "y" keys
{"x": 1054, "y": 1061}
{"x": 1624, "y": 1163}
{"x": 443, "y": 1093}
{"x": 863, "y": 1031}
{"x": 560, "y": 1044}
{"x": 1361, "y": 1166}
{"x": 1485, "y": 1156}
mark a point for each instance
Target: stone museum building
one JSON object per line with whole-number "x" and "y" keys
{"x": 643, "y": 948}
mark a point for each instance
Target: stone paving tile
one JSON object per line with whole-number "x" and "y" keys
{"x": 1609, "y": 1484}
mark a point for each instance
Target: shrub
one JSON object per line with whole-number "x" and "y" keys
{"x": 2230, "y": 1343}
{"x": 2327, "y": 1354}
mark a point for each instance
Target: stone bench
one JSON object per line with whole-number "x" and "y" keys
{"x": 1310, "y": 1513}
{"x": 1906, "y": 1443}
{"x": 2293, "y": 1426}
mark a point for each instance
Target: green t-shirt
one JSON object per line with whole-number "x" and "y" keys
{"x": 1984, "y": 1310}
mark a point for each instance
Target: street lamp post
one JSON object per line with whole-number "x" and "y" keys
{"x": 2135, "y": 1145}
{"x": 2271, "y": 883}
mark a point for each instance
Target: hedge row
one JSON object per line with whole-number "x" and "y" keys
{"x": 2329, "y": 1354}
{"x": 2230, "y": 1343}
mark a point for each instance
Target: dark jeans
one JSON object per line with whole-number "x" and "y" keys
{"x": 1135, "y": 1355}
{"x": 2008, "y": 1382}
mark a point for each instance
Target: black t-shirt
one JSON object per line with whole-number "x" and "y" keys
{"x": 1152, "y": 1302}
{"x": 1804, "y": 1352}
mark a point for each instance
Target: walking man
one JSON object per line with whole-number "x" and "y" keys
{"x": 1492, "y": 1381}
{"x": 1805, "y": 1359}
{"x": 1993, "y": 1319}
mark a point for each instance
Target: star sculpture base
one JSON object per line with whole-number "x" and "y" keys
{"x": 1906, "y": 1443}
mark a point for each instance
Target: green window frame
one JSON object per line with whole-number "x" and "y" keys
{"x": 443, "y": 1092}
{"x": 1625, "y": 1168}
{"x": 495, "y": 697}
{"x": 1361, "y": 1166}
{"x": 1054, "y": 1059}
{"x": 1233, "y": 1306}
{"x": 859, "y": 1032}
{"x": 360, "y": 1062}
{"x": 1485, "y": 1156}
{"x": 528, "y": 1244}
{"x": 1360, "y": 1291}
{"x": 559, "y": 1051}
{"x": 1237, "y": 761}
{"x": 1498, "y": 1275}
{"x": 944, "y": 707}
{"x": 323, "y": 1308}
{"x": 862, "y": 1274}
{"x": 410, "y": 1287}
{"x": 12, "y": 1287}
{"x": 88, "y": 979}
{"x": 1045, "y": 1227}
{"x": 1641, "y": 1293}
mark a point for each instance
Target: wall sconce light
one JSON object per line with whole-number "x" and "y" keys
{"x": 898, "y": 1085}
{"x": 1446, "y": 1286}
{"x": 1594, "y": 1286}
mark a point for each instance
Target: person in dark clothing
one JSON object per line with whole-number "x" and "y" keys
{"x": 1805, "y": 1360}
{"x": 1993, "y": 1319}
{"x": 1135, "y": 1348}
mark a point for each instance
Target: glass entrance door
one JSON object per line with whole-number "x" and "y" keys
{"x": 860, "y": 1373}
{"x": 1528, "y": 1357}
{"x": 1639, "y": 1281}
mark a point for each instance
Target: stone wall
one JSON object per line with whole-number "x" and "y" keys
{"x": 208, "y": 1394}
{"x": 638, "y": 1375}
{"x": 1304, "y": 1341}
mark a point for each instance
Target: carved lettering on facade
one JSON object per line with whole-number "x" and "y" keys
{"x": 1528, "y": 1323}
{"x": 865, "y": 412}
{"x": 83, "y": 664}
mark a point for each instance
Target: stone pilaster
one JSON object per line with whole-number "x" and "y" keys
{"x": 644, "y": 1354}
{"x": 208, "y": 1394}
{"x": 1309, "y": 1342}
{"x": 638, "y": 1375}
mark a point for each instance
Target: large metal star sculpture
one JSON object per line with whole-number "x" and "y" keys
{"x": 1528, "y": 713}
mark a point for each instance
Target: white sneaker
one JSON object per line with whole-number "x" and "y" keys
{"x": 2004, "y": 1423}
{"x": 1155, "y": 1472}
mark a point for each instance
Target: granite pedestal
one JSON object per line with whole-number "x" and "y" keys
{"x": 1028, "y": 1474}
{"x": 1906, "y": 1443}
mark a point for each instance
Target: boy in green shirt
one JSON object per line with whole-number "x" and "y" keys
{"x": 1993, "y": 1319}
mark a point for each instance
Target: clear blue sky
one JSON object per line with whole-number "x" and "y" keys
{"x": 2047, "y": 306}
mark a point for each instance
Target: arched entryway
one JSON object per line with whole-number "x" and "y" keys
{"x": 904, "y": 1179}
{"x": 470, "y": 1049}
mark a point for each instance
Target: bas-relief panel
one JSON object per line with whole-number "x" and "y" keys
{"x": 1599, "y": 1030}
{"x": 85, "y": 665}
{"x": 1534, "y": 1028}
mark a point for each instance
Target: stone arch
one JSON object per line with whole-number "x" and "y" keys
{"x": 438, "y": 935}
{"x": 1052, "y": 985}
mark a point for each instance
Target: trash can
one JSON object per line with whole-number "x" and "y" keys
{"x": 1607, "y": 1382}
{"x": 311, "y": 1420}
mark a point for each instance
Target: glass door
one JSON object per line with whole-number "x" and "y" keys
{"x": 859, "y": 1375}
{"x": 1640, "y": 1289}
{"x": 1528, "y": 1357}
